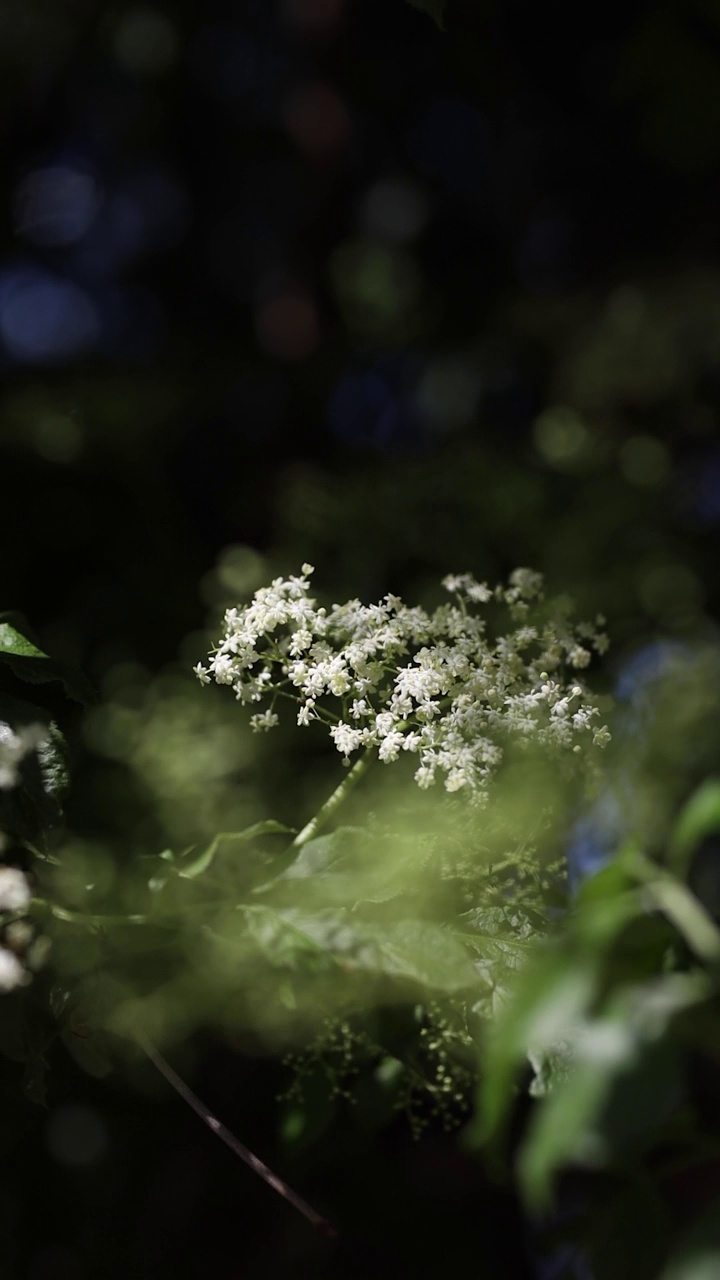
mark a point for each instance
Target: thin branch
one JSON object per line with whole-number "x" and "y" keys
{"x": 318, "y": 1221}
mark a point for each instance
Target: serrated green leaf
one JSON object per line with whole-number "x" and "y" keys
{"x": 346, "y": 867}
{"x": 407, "y": 950}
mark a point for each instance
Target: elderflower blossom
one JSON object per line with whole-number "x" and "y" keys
{"x": 442, "y": 686}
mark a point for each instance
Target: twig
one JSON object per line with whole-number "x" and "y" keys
{"x": 318, "y": 1221}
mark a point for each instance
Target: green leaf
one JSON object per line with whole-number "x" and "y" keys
{"x": 29, "y": 664}
{"x": 14, "y": 644}
{"x": 699, "y": 818}
{"x": 194, "y": 864}
{"x": 412, "y": 951}
{"x": 681, "y": 907}
{"x": 346, "y": 867}
{"x": 549, "y": 1001}
{"x": 435, "y": 8}
{"x": 622, "y": 1086}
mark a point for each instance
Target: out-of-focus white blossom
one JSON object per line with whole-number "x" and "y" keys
{"x": 12, "y": 972}
{"x": 443, "y": 685}
{"x": 15, "y": 892}
{"x": 14, "y": 747}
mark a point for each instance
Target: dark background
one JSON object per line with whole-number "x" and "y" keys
{"x": 313, "y": 280}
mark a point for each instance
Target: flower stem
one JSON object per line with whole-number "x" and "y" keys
{"x": 340, "y": 793}
{"x": 258, "y": 1166}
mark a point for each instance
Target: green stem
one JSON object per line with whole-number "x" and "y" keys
{"x": 43, "y": 907}
{"x": 340, "y": 793}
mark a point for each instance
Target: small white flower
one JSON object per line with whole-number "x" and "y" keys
{"x": 384, "y": 724}
{"x": 202, "y": 673}
{"x": 263, "y": 721}
{"x": 390, "y": 746}
{"x": 307, "y": 712}
{"x": 346, "y": 738}
{"x": 222, "y": 669}
{"x": 301, "y": 640}
{"x": 425, "y": 777}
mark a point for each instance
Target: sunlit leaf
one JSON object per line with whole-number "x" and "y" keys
{"x": 412, "y": 951}
{"x": 349, "y": 866}
{"x": 31, "y": 665}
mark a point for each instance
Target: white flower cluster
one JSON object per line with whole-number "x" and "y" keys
{"x": 439, "y": 685}
{"x": 14, "y": 747}
{"x": 14, "y": 899}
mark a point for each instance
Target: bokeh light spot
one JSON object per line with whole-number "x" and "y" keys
{"x": 449, "y": 394}
{"x": 377, "y": 285}
{"x": 317, "y": 118}
{"x": 394, "y": 209}
{"x": 45, "y": 318}
{"x": 561, "y": 437}
{"x": 57, "y": 438}
{"x": 287, "y": 325}
{"x": 644, "y": 461}
{"x": 55, "y": 205}
{"x": 146, "y": 42}
{"x": 240, "y": 571}
{"x": 76, "y": 1135}
{"x": 671, "y": 591}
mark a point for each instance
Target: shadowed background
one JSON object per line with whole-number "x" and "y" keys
{"x": 313, "y": 280}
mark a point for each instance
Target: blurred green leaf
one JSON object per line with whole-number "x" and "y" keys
{"x": 622, "y": 1085}
{"x": 194, "y": 864}
{"x": 543, "y": 1010}
{"x": 680, "y": 906}
{"x": 699, "y": 818}
{"x": 408, "y": 950}
{"x": 349, "y": 866}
